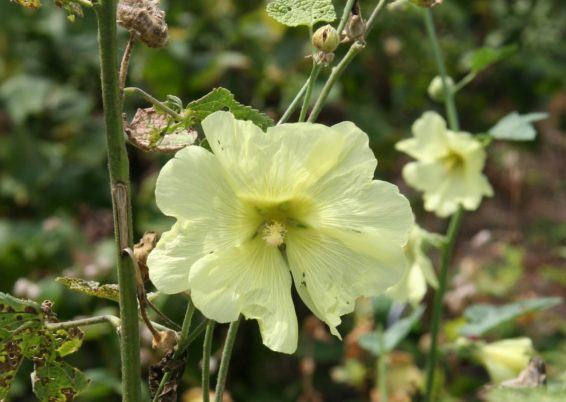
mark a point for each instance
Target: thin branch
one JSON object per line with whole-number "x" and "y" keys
{"x": 153, "y": 101}
{"x": 337, "y": 71}
{"x": 126, "y": 60}
{"x": 83, "y": 322}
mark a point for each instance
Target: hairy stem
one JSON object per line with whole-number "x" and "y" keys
{"x": 225, "y": 363}
{"x": 118, "y": 165}
{"x": 206, "y": 352}
{"x": 181, "y": 346}
{"x": 83, "y": 322}
{"x": 306, "y": 100}
{"x": 337, "y": 71}
{"x": 455, "y": 222}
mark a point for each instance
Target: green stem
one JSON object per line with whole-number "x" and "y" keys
{"x": 293, "y": 106}
{"x": 306, "y": 100}
{"x": 337, "y": 71}
{"x": 153, "y": 101}
{"x": 449, "y": 103}
{"x": 463, "y": 82}
{"x": 382, "y": 368}
{"x": 118, "y": 165}
{"x": 181, "y": 346}
{"x": 447, "y": 252}
{"x": 332, "y": 78}
{"x": 83, "y": 322}
{"x": 225, "y": 363}
{"x": 455, "y": 222}
{"x": 206, "y": 352}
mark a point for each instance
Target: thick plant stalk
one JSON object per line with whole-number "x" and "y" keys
{"x": 455, "y": 222}
{"x": 118, "y": 165}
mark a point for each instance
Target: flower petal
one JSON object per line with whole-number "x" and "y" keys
{"x": 430, "y": 138}
{"x": 170, "y": 260}
{"x": 280, "y": 164}
{"x": 192, "y": 186}
{"x": 375, "y": 208}
{"x": 252, "y": 279}
{"x": 330, "y": 275}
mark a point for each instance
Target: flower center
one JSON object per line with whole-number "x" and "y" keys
{"x": 273, "y": 233}
{"x": 453, "y": 161}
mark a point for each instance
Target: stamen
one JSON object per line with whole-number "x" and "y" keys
{"x": 274, "y": 233}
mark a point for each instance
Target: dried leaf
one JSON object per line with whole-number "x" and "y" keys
{"x": 151, "y": 130}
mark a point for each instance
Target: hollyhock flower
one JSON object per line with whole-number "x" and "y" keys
{"x": 505, "y": 359}
{"x": 448, "y": 168}
{"x": 263, "y": 210}
{"x": 412, "y": 288}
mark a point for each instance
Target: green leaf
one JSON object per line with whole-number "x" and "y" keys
{"x": 516, "y": 127}
{"x": 91, "y": 288}
{"x": 392, "y": 336}
{"x": 482, "y": 58}
{"x": 57, "y": 381}
{"x": 484, "y": 317}
{"x": 15, "y": 313}
{"x": 222, "y": 99}
{"x": 301, "y": 12}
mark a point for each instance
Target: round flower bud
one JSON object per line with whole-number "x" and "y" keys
{"x": 326, "y": 39}
{"x": 436, "y": 90}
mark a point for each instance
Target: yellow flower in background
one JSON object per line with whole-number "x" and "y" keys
{"x": 412, "y": 288}
{"x": 296, "y": 204}
{"x": 505, "y": 359}
{"x": 448, "y": 168}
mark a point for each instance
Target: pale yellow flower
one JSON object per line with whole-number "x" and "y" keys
{"x": 505, "y": 359}
{"x": 448, "y": 168}
{"x": 296, "y": 204}
{"x": 412, "y": 288}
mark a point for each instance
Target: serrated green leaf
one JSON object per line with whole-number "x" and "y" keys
{"x": 392, "y": 336}
{"x": 482, "y": 58}
{"x": 57, "y": 382}
{"x": 16, "y": 313}
{"x": 91, "y": 288}
{"x": 516, "y": 127}
{"x": 222, "y": 99}
{"x": 301, "y": 12}
{"x": 484, "y": 317}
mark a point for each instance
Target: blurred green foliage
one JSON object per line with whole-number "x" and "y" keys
{"x": 55, "y": 214}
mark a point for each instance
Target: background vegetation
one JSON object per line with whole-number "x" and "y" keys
{"x": 55, "y": 211}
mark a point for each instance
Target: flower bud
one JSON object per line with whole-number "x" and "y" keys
{"x": 426, "y": 3}
{"x": 436, "y": 89}
{"x": 326, "y": 39}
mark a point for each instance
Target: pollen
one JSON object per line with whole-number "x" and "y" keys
{"x": 274, "y": 233}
